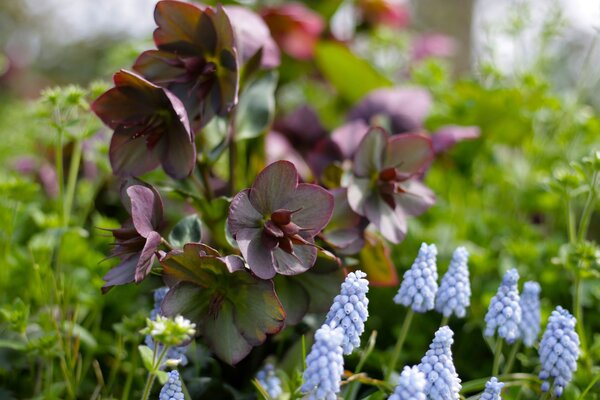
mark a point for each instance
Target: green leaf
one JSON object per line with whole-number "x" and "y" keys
{"x": 147, "y": 354}
{"x": 233, "y": 310}
{"x": 352, "y": 76}
{"x": 188, "y": 230}
{"x": 256, "y": 107}
{"x": 322, "y": 283}
{"x": 12, "y": 344}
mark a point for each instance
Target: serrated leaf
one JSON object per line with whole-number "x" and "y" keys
{"x": 187, "y": 230}
{"x": 352, "y": 76}
{"x": 256, "y": 108}
{"x": 233, "y": 311}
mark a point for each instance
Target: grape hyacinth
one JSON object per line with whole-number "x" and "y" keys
{"x": 559, "y": 351}
{"x": 411, "y": 385}
{"x": 176, "y": 353}
{"x": 443, "y": 382}
{"x": 493, "y": 387}
{"x": 454, "y": 294}
{"x": 530, "y": 313}
{"x": 504, "y": 312}
{"x": 172, "y": 388}
{"x": 324, "y": 365}
{"x": 419, "y": 284}
{"x": 269, "y": 381}
{"x": 349, "y": 310}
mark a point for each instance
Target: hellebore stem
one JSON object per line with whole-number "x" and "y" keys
{"x": 497, "y": 356}
{"x": 401, "y": 338}
{"x": 511, "y": 357}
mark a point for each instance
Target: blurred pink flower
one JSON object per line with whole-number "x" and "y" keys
{"x": 433, "y": 45}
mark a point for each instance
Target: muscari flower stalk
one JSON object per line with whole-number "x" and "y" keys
{"x": 350, "y": 310}
{"x": 174, "y": 353}
{"x": 504, "y": 312}
{"x": 493, "y": 387}
{"x": 324, "y": 365}
{"x": 559, "y": 351}
{"x": 269, "y": 381}
{"x": 530, "y": 313}
{"x": 172, "y": 388}
{"x": 419, "y": 284}
{"x": 443, "y": 382}
{"x": 411, "y": 385}
{"x": 454, "y": 294}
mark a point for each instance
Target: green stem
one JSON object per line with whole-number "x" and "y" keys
{"x": 445, "y": 320}
{"x": 399, "y": 343}
{"x": 571, "y": 222}
{"x": 72, "y": 181}
{"x": 588, "y": 209}
{"x": 155, "y": 366}
{"x": 578, "y": 310}
{"x": 497, "y": 356}
{"x": 589, "y": 387}
{"x": 58, "y": 161}
{"x": 511, "y": 357}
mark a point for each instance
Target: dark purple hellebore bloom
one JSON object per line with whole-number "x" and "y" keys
{"x": 384, "y": 186}
{"x": 196, "y": 58}
{"x": 150, "y": 128}
{"x": 275, "y": 221}
{"x": 137, "y": 240}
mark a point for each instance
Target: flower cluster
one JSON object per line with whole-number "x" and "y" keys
{"x": 504, "y": 312}
{"x": 559, "y": 351}
{"x": 411, "y": 385}
{"x": 324, "y": 365}
{"x": 530, "y": 313}
{"x": 172, "y": 388}
{"x": 454, "y": 294}
{"x": 443, "y": 382}
{"x": 419, "y": 284}
{"x": 269, "y": 381}
{"x": 493, "y": 387}
{"x": 168, "y": 331}
{"x": 350, "y": 310}
{"x": 174, "y": 353}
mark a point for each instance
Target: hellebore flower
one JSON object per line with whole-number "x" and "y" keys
{"x": 172, "y": 388}
{"x": 454, "y": 295}
{"x": 350, "y": 310}
{"x": 530, "y": 313}
{"x": 324, "y": 365}
{"x": 150, "y": 127}
{"x": 196, "y": 58}
{"x": 504, "y": 312}
{"x": 411, "y": 385}
{"x": 296, "y": 29}
{"x": 493, "y": 387}
{"x": 419, "y": 283}
{"x": 269, "y": 381}
{"x": 384, "y": 187}
{"x": 137, "y": 240}
{"x": 251, "y": 36}
{"x": 391, "y": 13}
{"x": 275, "y": 221}
{"x": 559, "y": 351}
{"x": 443, "y": 382}
{"x": 345, "y": 230}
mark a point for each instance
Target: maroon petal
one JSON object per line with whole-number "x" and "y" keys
{"x": 251, "y": 35}
{"x": 273, "y": 187}
{"x": 447, "y": 136}
{"x": 147, "y": 256}
{"x": 408, "y": 153}
{"x": 242, "y": 214}
{"x": 371, "y": 150}
{"x": 359, "y": 190}
{"x": 178, "y": 24}
{"x": 315, "y": 206}
{"x": 146, "y": 209}
{"x": 349, "y": 136}
{"x": 256, "y": 247}
{"x": 303, "y": 259}
{"x": 179, "y": 158}
{"x": 121, "y": 274}
{"x": 415, "y": 198}
{"x": 129, "y": 154}
{"x": 390, "y": 222}
{"x": 160, "y": 67}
